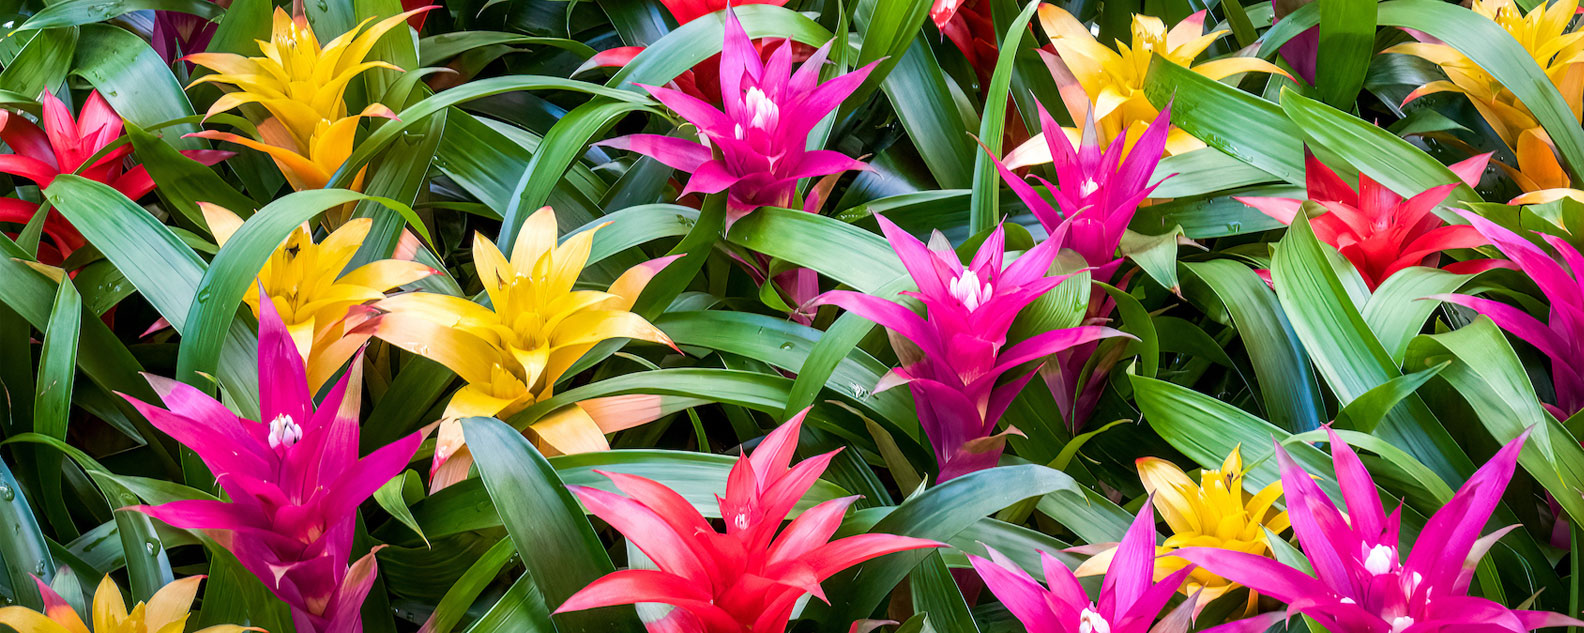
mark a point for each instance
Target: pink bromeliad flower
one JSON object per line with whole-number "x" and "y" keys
{"x": 1360, "y": 581}
{"x": 747, "y": 579}
{"x": 1377, "y": 230}
{"x": 61, "y": 147}
{"x": 295, "y": 482}
{"x": 960, "y": 347}
{"x": 1130, "y": 599}
{"x": 1096, "y": 193}
{"x": 754, "y": 149}
{"x": 1562, "y": 339}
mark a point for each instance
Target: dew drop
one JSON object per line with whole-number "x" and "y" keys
{"x": 787, "y": 346}
{"x": 6, "y": 493}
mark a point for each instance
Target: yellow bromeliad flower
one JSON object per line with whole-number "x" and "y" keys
{"x": 304, "y": 281}
{"x": 303, "y": 87}
{"x": 1543, "y": 32}
{"x": 512, "y": 353}
{"x": 1216, "y": 512}
{"x": 1109, "y": 84}
{"x": 166, "y": 612}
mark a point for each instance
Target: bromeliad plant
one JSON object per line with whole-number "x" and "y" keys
{"x": 373, "y": 432}
{"x": 294, "y": 481}
{"x": 1360, "y": 581}
{"x": 954, "y": 356}
{"x": 513, "y": 352}
{"x": 748, "y": 578}
{"x": 65, "y": 145}
{"x": 1130, "y": 598}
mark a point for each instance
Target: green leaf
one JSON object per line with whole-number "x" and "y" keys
{"x": 147, "y": 565}
{"x": 786, "y": 345}
{"x": 23, "y": 550}
{"x": 1346, "y": 352}
{"x": 183, "y": 181}
{"x": 985, "y": 206}
{"x": 1156, "y": 255}
{"x": 1397, "y": 310}
{"x": 41, "y": 64}
{"x": 1377, "y": 153}
{"x": 836, "y": 249}
{"x": 1365, "y": 411}
{"x": 935, "y": 592}
{"x": 135, "y": 81}
{"x": 562, "y": 145}
{"x": 887, "y": 29}
{"x": 1239, "y": 124}
{"x": 557, "y": 544}
{"x": 938, "y": 513}
{"x": 521, "y": 609}
{"x": 924, "y": 106}
{"x": 1281, "y": 366}
{"x": 417, "y": 112}
{"x": 437, "y": 48}
{"x": 1486, "y": 373}
{"x": 52, "y": 400}
{"x": 1347, "y": 42}
{"x": 165, "y": 270}
{"x": 1206, "y": 430}
{"x": 397, "y": 494}
{"x": 80, "y": 12}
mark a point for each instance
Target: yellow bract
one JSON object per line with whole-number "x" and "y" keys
{"x": 1544, "y": 33}
{"x": 1216, "y": 512}
{"x": 303, "y": 87}
{"x": 1109, "y": 84}
{"x": 304, "y": 280}
{"x": 299, "y": 83}
{"x": 512, "y": 353}
{"x": 166, "y": 612}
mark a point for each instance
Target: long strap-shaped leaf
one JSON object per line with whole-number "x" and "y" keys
{"x": 557, "y": 543}
{"x": 166, "y": 271}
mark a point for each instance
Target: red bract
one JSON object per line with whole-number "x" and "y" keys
{"x": 747, "y": 579}
{"x": 1562, "y": 339}
{"x": 61, "y": 147}
{"x": 959, "y": 346}
{"x": 1376, "y": 229}
{"x": 1360, "y": 584}
{"x": 754, "y": 149}
{"x": 295, "y": 482}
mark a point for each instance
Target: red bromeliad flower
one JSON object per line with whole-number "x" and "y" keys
{"x": 295, "y": 483}
{"x": 1377, "y": 230}
{"x": 1360, "y": 583}
{"x": 747, "y": 579}
{"x": 1129, "y": 598}
{"x": 754, "y": 149}
{"x": 61, "y": 147}
{"x": 1562, "y": 339}
{"x": 959, "y": 349}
